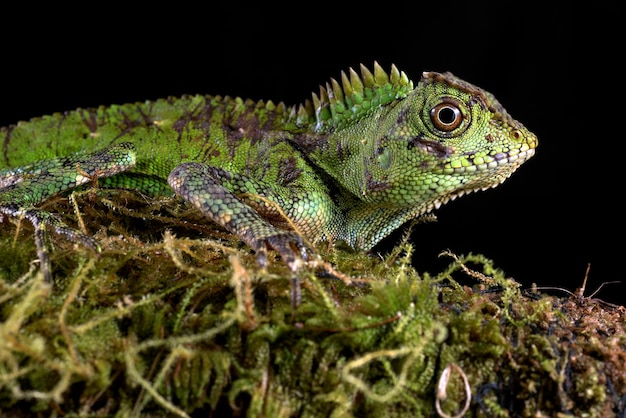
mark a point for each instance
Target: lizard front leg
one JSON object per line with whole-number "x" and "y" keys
{"x": 23, "y": 188}
{"x": 215, "y": 192}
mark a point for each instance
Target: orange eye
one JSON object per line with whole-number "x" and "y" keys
{"x": 446, "y": 117}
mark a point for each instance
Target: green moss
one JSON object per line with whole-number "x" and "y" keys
{"x": 189, "y": 326}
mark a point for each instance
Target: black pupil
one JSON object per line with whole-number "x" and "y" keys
{"x": 447, "y": 115}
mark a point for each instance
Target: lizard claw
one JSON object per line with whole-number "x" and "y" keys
{"x": 290, "y": 246}
{"x": 294, "y": 253}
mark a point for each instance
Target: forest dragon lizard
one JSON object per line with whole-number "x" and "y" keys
{"x": 369, "y": 153}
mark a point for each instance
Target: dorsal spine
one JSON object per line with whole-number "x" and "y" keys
{"x": 338, "y": 105}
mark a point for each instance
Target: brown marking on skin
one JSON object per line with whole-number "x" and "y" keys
{"x": 428, "y": 146}
{"x": 414, "y": 141}
{"x": 426, "y": 165}
{"x": 289, "y": 172}
{"x": 247, "y": 126}
{"x": 380, "y": 145}
{"x": 233, "y": 138}
{"x": 198, "y": 117}
{"x": 343, "y": 152}
{"x": 146, "y": 116}
{"x": 128, "y": 124}
{"x": 402, "y": 115}
{"x": 375, "y": 185}
{"x": 478, "y": 95}
{"x": 88, "y": 116}
{"x": 311, "y": 143}
{"x": 183, "y": 122}
{"x": 259, "y": 161}
{"x": 209, "y": 152}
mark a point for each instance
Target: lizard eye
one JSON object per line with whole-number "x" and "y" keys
{"x": 446, "y": 116}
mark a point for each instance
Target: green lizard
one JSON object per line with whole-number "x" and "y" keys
{"x": 353, "y": 163}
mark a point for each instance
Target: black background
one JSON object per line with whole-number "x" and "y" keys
{"x": 543, "y": 225}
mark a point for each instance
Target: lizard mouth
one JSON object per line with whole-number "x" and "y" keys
{"x": 504, "y": 158}
{"x": 497, "y": 171}
{"x": 501, "y": 160}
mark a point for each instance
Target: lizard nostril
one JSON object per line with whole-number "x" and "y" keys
{"x": 516, "y": 135}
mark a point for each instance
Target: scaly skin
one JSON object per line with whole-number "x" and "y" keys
{"x": 354, "y": 163}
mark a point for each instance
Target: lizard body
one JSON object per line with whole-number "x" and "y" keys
{"x": 355, "y": 162}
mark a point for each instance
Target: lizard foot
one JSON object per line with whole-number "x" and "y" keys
{"x": 289, "y": 245}
{"x": 293, "y": 251}
{"x": 41, "y": 221}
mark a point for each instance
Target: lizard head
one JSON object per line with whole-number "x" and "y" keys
{"x": 445, "y": 139}
{"x": 411, "y": 148}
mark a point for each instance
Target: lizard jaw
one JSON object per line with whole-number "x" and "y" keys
{"x": 513, "y": 161}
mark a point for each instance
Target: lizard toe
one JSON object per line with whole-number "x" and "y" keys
{"x": 261, "y": 257}
{"x": 291, "y": 248}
